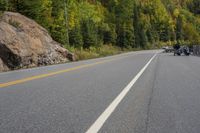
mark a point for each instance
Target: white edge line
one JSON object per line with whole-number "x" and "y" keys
{"x": 96, "y": 126}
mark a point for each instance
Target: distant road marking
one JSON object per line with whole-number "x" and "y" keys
{"x": 96, "y": 126}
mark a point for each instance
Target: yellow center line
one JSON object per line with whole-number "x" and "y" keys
{"x": 51, "y": 73}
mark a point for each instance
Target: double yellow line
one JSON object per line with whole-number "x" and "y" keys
{"x": 51, "y": 74}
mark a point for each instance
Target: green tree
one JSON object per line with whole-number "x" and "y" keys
{"x": 194, "y": 6}
{"x": 75, "y": 37}
{"x": 89, "y": 32}
{"x": 136, "y": 25}
{"x": 39, "y": 10}
{"x": 108, "y": 33}
{"x": 58, "y": 27}
{"x": 179, "y": 28}
{"x": 126, "y": 37}
{"x": 4, "y": 5}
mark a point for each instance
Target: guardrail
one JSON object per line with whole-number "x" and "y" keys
{"x": 196, "y": 50}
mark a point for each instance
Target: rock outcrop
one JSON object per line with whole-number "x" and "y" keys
{"x": 24, "y": 43}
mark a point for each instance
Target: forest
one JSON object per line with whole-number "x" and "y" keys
{"x": 126, "y": 24}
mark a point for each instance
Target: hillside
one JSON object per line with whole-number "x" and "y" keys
{"x": 82, "y": 24}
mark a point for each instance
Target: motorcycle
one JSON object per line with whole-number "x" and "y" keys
{"x": 186, "y": 50}
{"x": 182, "y": 50}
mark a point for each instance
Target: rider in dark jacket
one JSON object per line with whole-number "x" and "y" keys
{"x": 176, "y": 46}
{"x": 177, "y": 50}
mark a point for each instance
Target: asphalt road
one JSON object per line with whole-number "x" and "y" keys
{"x": 69, "y": 98}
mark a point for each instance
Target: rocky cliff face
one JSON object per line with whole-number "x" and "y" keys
{"x": 24, "y": 43}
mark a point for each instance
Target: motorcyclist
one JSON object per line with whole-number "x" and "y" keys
{"x": 176, "y": 46}
{"x": 176, "y": 49}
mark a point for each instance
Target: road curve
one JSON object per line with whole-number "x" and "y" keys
{"x": 69, "y": 98}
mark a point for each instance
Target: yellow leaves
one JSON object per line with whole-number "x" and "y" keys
{"x": 72, "y": 20}
{"x": 176, "y": 12}
{"x": 78, "y": 11}
{"x": 172, "y": 24}
{"x": 92, "y": 12}
{"x": 145, "y": 20}
{"x": 191, "y": 32}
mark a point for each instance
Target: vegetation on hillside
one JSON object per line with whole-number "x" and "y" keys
{"x": 90, "y": 24}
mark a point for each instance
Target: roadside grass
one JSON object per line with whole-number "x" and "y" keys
{"x": 96, "y": 52}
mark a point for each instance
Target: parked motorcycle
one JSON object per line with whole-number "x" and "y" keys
{"x": 182, "y": 50}
{"x": 177, "y": 52}
{"x": 186, "y": 50}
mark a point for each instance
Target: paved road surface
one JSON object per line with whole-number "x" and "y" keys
{"x": 69, "y": 98}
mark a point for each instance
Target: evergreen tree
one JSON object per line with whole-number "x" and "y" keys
{"x": 143, "y": 37}
{"x": 58, "y": 28}
{"x": 126, "y": 37}
{"x": 4, "y": 5}
{"x": 179, "y": 28}
{"x": 89, "y": 34}
{"x": 136, "y": 25}
{"x": 109, "y": 34}
{"x": 75, "y": 37}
